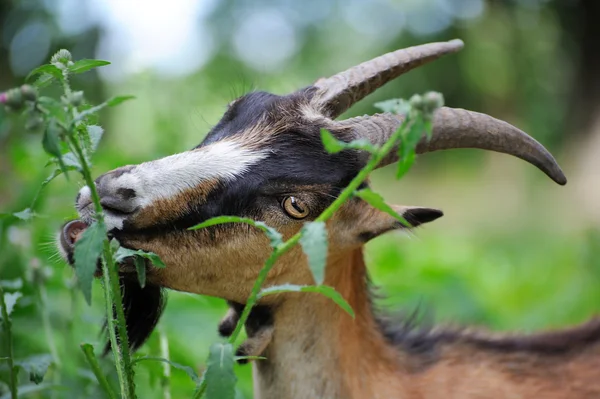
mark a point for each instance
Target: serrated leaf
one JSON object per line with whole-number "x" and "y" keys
{"x": 314, "y": 244}
{"x": 71, "y": 162}
{"x": 118, "y": 100}
{"x": 404, "y": 164}
{"x": 36, "y": 367}
{"x": 10, "y": 299}
{"x": 47, "y": 69}
{"x": 333, "y": 145}
{"x": 395, "y": 106}
{"x": 114, "y": 246}
{"x": 51, "y": 140}
{"x": 55, "y": 173}
{"x": 43, "y": 81}
{"x": 52, "y": 107}
{"x": 140, "y": 267}
{"x": 87, "y": 251}
{"x": 377, "y": 201}
{"x": 274, "y": 236}
{"x": 326, "y": 290}
{"x": 15, "y": 284}
{"x": 82, "y": 66}
{"x": 25, "y": 214}
{"x": 220, "y": 378}
{"x": 51, "y": 143}
{"x": 121, "y": 253}
{"x": 188, "y": 370}
{"x": 95, "y": 134}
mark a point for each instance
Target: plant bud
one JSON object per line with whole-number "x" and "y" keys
{"x": 14, "y": 99}
{"x": 76, "y": 98}
{"x": 416, "y": 101}
{"x": 432, "y": 100}
{"x": 29, "y": 93}
{"x": 61, "y": 57}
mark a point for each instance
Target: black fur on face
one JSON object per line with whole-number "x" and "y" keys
{"x": 296, "y": 164}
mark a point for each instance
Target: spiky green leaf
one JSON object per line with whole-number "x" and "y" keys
{"x": 188, "y": 370}
{"x": 326, "y": 290}
{"x": 314, "y": 244}
{"x": 82, "y": 66}
{"x": 220, "y": 378}
{"x": 377, "y": 201}
{"x": 274, "y": 236}
{"x": 121, "y": 253}
{"x": 118, "y": 100}
{"x": 395, "y": 106}
{"x": 87, "y": 252}
{"x": 36, "y": 366}
{"x": 47, "y": 69}
{"x": 10, "y": 299}
{"x": 333, "y": 145}
{"x": 95, "y": 134}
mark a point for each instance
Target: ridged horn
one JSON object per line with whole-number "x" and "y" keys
{"x": 459, "y": 128}
{"x": 336, "y": 94}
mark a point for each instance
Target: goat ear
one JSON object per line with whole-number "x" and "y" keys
{"x": 379, "y": 222}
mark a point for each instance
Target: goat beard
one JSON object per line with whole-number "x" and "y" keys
{"x": 142, "y": 306}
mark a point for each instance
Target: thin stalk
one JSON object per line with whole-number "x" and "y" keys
{"x": 90, "y": 356}
{"x": 6, "y": 323}
{"x": 112, "y": 291}
{"x": 375, "y": 159}
{"x": 164, "y": 353}
{"x": 43, "y": 298}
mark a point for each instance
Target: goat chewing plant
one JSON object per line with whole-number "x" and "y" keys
{"x": 71, "y": 136}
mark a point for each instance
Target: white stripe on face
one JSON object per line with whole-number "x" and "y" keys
{"x": 169, "y": 176}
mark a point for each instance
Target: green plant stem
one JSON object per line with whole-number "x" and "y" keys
{"x": 88, "y": 351}
{"x": 6, "y": 323}
{"x": 112, "y": 291}
{"x": 164, "y": 352}
{"x": 348, "y": 192}
{"x": 43, "y": 298}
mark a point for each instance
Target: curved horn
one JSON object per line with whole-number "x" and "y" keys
{"x": 459, "y": 128}
{"x": 336, "y": 94}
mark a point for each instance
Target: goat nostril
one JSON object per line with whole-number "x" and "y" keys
{"x": 117, "y": 205}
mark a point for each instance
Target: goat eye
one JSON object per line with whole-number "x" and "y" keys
{"x": 294, "y": 207}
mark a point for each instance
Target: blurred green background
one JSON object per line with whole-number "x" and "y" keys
{"x": 514, "y": 251}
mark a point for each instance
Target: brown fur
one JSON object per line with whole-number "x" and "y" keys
{"x": 470, "y": 365}
{"x": 162, "y": 210}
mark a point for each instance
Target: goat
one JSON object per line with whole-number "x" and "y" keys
{"x": 264, "y": 160}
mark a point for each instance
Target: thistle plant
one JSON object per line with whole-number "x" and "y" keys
{"x": 71, "y": 136}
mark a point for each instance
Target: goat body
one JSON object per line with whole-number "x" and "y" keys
{"x": 265, "y": 160}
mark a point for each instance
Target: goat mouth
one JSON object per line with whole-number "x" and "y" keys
{"x": 71, "y": 233}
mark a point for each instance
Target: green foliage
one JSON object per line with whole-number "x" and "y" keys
{"x": 35, "y": 366}
{"x": 274, "y": 236}
{"x": 186, "y": 369}
{"x": 82, "y": 66}
{"x": 314, "y": 245}
{"x": 377, "y": 201}
{"x": 528, "y": 276}
{"x": 325, "y": 290}
{"x": 90, "y": 356}
{"x": 333, "y": 145}
{"x": 87, "y": 252}
{"x": 122, "y": 253}
{"x": 10, "y": 300}
{"x": 220, "y": 378}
